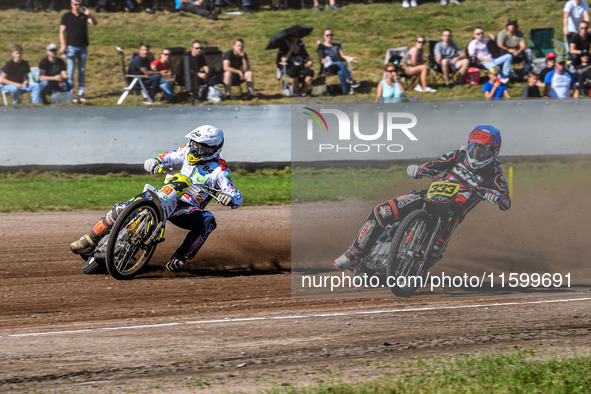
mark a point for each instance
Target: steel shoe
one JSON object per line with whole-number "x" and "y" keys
{"x": 345, "y": 261}
{"x": 83, "y": 245}
{"x": 176, "y": 263}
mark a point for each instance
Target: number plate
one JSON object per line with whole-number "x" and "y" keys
{"x": 442, "y": 191}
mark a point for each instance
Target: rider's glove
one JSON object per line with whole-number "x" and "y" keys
{"x": 150, "y": 164}
{"x": 415, "y": 171}
{"x": 492, "y": 195}
{"x": 225, "y": 199}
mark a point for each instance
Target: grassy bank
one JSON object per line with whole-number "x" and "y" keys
{"x": 367, "y": 31}
{"x": 518, "y": 372}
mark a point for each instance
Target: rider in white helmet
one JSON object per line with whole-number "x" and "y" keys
{"x": 201, "y": 162}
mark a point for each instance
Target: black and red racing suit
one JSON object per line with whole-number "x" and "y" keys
{"x": 458, "y": 170}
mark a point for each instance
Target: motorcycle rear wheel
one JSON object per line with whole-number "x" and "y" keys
{"x": 127, "y": 250}
{"x": 406, "y": 258}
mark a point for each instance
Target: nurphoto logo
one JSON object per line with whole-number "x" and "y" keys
{"x": 362, "y": 128}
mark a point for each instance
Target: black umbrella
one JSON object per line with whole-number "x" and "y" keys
{"x": 277, "y": 39}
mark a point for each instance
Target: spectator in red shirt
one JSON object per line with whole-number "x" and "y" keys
{"x": 162, "y": 67}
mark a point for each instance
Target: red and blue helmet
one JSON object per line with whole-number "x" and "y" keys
{"x": 484, "y": 144}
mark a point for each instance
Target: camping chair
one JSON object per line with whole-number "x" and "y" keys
{"x": 286, "y": 88}
{"x": 395, "y": 55}
{"x": 176, "y": 57}
{"x": 436, "y": 66}
{"x": 323, "y": 72}
{"x": 134, "y": 82}
{"x": 541, "y": 42}
{"x": 3, "y": 92}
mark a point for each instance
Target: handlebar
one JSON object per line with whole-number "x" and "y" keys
{"x": 212, "y": 192}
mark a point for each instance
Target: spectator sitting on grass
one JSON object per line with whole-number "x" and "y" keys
{"x": 531, "y": 89}
{"x": 558, "y": 83}
{"x": 494, "y": 88}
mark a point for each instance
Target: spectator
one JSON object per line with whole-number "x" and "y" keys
{"x": 197, "y": 7}
{"x": 531, "y": 90}
{"x": 331, "y": 56}
{"x": 135, "y": 5}
{"x": 575, "y": 11}
{"x": 15, "y": 78}
{"x": 74, "y": 33}
{"x": 331, "y": 5}
{"x": 550, "y": 63}
{"x": 512, "y": 41}
{"x": 389, "y": 89}
{"x": 237, "y": 69}
{"x": 583, "y": 74}
{"x": 294, "y": 53}
{"x": 413, "y": 63}
{"x": 52, "y": 74}
{"x": 477, "y": 48}
{"x": 406, "y": 4}
{"x": 494, "y": 88}
{"x": 580, "y": 42}
{"x": 162, "y": 67}
{"x": 450, "y": 57}
{"x": 140, "y": 65}
{"x": 559, "y": 82}
{"x": 30, "y": 4}
{"x": 198, "y": 67}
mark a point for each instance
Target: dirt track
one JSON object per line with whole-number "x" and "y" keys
{"x": 60, "y": 329}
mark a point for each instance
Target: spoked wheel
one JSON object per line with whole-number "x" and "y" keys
{"x": 128, "y": 248}
{"x": 406, "y": 260}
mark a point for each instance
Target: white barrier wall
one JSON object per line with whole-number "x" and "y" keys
{"x": 128, "y": 135}
{"x": 255, "y": 134}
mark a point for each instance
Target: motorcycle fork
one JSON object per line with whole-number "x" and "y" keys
{"x": 434, "y": 237}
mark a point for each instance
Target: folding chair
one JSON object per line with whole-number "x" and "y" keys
{"x": 436, "y": 66}
{"x": 395, "y": 55}
{"x": 542, "y": 42}
{"x": 3, "y": 92}
{"x": 176, "y": 57}
{"x": 134, "y": 82}
{"x": 286, "y": 88}
{"x": 323, "y": 72}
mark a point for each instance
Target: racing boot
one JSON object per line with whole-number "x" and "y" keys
{"x": 83, "y": 245}
{"x": 176, "y": 263}
{"x": 345, "y": 261}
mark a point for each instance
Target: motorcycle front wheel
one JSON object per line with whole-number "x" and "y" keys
{"x": 406, "y": 267}
{"x": 128, "y": 249}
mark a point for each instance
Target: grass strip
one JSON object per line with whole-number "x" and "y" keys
{"x": 516, "y": 372}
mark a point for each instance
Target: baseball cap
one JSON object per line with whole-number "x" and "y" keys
{"x": 560, "y": 59}
{"x": 550, "y": 55}
{"x": 511, "y": 22}
{"x": 52, "y": 47}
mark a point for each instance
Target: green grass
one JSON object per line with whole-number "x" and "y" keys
{"x": 59, "y": 191}
{"x": 517, "y": 372}
{"x": 335, "y": 184}
{"x": 38, "y": 191}
{"x": 367, "y": 31}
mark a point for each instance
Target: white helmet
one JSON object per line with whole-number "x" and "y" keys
{"x": 205, "y": 144}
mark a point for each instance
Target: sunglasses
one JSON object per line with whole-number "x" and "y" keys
{"x": 391, "y": 71}
{"x": 420, "y": 42}
{"x": 197, "y": 47}
{"x": 328, "y": 35}
{"x": 479, "y": 34}
{"x": 166, "y": 54}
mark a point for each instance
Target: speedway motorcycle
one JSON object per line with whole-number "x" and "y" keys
{"x": 407, "y": 249}
{"x": 139, "y": 228}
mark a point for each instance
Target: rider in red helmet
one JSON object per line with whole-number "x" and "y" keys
{"x": 475, "y": 165}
